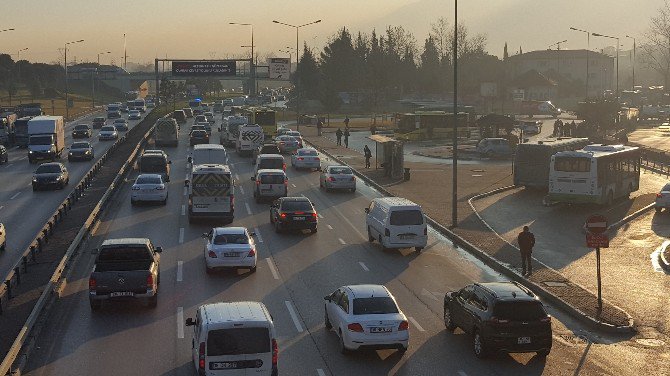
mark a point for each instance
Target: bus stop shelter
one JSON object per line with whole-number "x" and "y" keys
{"x": 391, "y": 155}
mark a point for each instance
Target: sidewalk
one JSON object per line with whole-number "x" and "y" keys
{"x": 430, "y": 186}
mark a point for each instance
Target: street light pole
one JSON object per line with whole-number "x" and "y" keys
{"x": 617, "y": 59}
{"x": 454, "y": 139}
{"x": 558, "y": 56}
{"x": 634, "y": 57}
{"x": 67, "y": 108}
{"x": 297, "y": 60}
{"x": 252, "y": 67}
{"x": 588, "y": 48}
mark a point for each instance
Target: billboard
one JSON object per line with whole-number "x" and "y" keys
{"x": 204, "y": 68}
{"x": 280, "y": 68}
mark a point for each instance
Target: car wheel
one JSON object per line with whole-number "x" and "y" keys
{"x": 402, "y": 349}
{"x": 448, "y": 322}
{"x": 382, "y": 244}
{"x": 313, "y": 230}
{"x": 326, "y": 321}
{"x": 3, "y": 246}
{"x": 478, "y": 345}
{"x": 69, "y": 159}
{"x": 343, "y": 349}
{"x": 95, "y": 305}
{"x": 164, "y": 202}
{"x": 370, "y": 237}
{"x": 253, "y": 269}
{"x": 208, "y": 270}
{"x": 353, "y": 190}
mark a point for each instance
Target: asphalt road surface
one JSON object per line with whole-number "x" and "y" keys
{"x": 294, "y": 272}
{"x": 23, "y": 211}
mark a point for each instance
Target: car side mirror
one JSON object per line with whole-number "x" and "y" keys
{"x": 253, "y": 178}
{"x": 169, "y": 162}
{"x": 367, "y": 210}
{"x": 205, "y": 235}
{"x": 95, "y": 251}
{"x": 189, "y": 159}
{"x": 327, "y": 298}
{"x": 190, "y": 322}
{"x": 158, "y": 249}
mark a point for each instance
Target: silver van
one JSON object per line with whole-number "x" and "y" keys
{"x": 270, "y": 184}
{"x": 234, "y": 338}
{"x": 396, "y": 223}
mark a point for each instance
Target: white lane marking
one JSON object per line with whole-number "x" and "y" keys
{"x": 429, "y": 294}
{"x": 273, "y": 270}
{"x": 181, "y": 235}
{"x": 258, "y": 235}
{"x": 180, "y": 271}
{"x": 461, "y": 373}
{"x": 22, "y": 158}
{"x": 415, "y": 323}
{"x": 330, "y": 227}
{"x": 1, "y": 207}
{"x": 319, "y": 215}
{"x": 180, "y": 322}
{"x": 294, "y": 316}
{"x": 246, "y": 205}
{"x": 185, "y": 191}
{"x": 320, "y": 372}
{"x": 183, "y": 210}
{"x": 15, "y": 195}
{"x": 293, "y": 185}
{"x": 362, "y": 264}
{"x": 341, "y": 241}
{"x": 8, "y": 164}
{"x": 242, "y": 189}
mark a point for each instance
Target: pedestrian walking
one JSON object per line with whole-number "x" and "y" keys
{"x": 346, "y": 137}
{"x": 373, "y": 129}
{"x": 526, "y": 241}
{"x": 319, "y": 125}
{"x": 346, "y": 121}
{"x": 368, "y": 155}
{"x": 555, "y": 134}
{"x": 338, "y": 134}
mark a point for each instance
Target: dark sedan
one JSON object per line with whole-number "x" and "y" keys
{"x": 82, "y": 131}
{"x": 121, "y": 125}
{"x": 80, "y": 151}
{"x": 50, "y": 175}
{"x": 199, "y": 137}
{"x": 293, "y": 213}
{"x": 99, "y": 122}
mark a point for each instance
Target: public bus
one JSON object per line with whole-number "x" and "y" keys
{"x": 596, "y": 174}
{"x": 532, "y": 159}
{"x": 264, "y": 117}
{"x": 423, "y": 125}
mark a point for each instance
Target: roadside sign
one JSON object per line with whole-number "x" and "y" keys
{"x": 596, "y": 224}
{"x": 279, "y": 68}
{"x": 597, "y": 240}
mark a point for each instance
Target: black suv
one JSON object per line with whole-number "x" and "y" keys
{"x": 293, "y": 213}
{"x": 501, "y": 316}
{"x": 99, "y": 122}
{"x": 82, "y": 131}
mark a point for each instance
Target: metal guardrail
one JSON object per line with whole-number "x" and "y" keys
{"x": 13, "y": 278}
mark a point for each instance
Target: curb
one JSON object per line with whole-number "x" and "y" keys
{"x": 663, "y": 261}
{"x": 630, "y": 217}
{"x": 495, "y": 264}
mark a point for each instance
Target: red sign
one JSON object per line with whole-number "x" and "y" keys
{"x": 597, "y": 240}
{"x": 596, "y": 224}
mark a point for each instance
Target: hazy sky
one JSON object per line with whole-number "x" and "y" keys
{"x": 199, "y": 29}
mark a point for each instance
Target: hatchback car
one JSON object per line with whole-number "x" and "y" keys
{"x": 82, "y": 131}
{"x": 121, "y": 125}
{"x": 50, "y": 175}
{"x": 3, "y": 237}
{"x": 494, "y": 147}
{"x": 134, "y": 115}
{"x": 366, "y": 317}
{"x": 149, "y": 187}
{"x": 287, "y": 144}
{"x": 663, "y": 198}
{"x": 501, "y": 316}
{"x": 114, "y": 114}
{"x": 198, "y": 137}
{"x": 99, "y": 122}
{"x": 230, "y": 248}
{"x": 4, "y": 155}
{"x": 293, "y": 213}
{"x": 108, "y": 132}
{"x": 297, "y": 136}
{"x": 337, "y": 177}
{"x": 80, "y": 151}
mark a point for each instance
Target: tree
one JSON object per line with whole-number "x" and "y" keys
{"x": 307, "y": 74}
{"x": 429, "y": 70}
{"x": 656, "y": 51}
{"x": 505, "y": 54}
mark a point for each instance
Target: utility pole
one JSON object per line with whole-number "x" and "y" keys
{"x": 454, "y": 139}
{"x": 588, "y": 47}
{"x": 634, "y": 58}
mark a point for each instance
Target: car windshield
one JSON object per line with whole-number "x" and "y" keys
{"x": 308, "y": 152}
{"x": 99, "y": 120}
{"x": 80, "y": 145}
{"x": 41, "y": 140}
{"x": 48, "y": 169}
{"x": 271, "y": 164}
{"x": 120, "y": 121}
{"x": 406, "y": 217}
{"x": 221, "y": 239}
{"x": 272, "y": 179}
{"x": 374, "y": 306}
{"x": 340, "y": 170}
{"x": 107, "y": 128}
{"x": 81, "y": 127}
{"x": 666, "y": 188}
{"x": 293, "y": 133}
{"x": 296, "y": 206}
{"x": 148, "y": 180}
{"x": 238, "y": 341}
{"x": 153, "y": 163}
{"x": 519, "y": 310}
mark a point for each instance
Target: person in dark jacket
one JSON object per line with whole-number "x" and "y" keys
{"x": 368, "y": 155}
{"x": 346, "y": 137}
{"x": 526, "y": 241}
{"x": 338, "y": 134}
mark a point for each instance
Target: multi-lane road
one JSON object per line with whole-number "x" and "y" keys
{"x": 294, "y": 272}
{"x": 23, "y": 211}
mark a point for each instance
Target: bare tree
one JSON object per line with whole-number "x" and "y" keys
{"x": 439, "y": 32}
{"x": 656, "y": 50}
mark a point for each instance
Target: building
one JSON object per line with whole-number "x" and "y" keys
{"x": 534, "y": 86}
{"x": 567, "y": 66}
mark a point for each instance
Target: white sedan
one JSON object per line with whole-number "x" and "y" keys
{"x": 149, "y": 187}
{"x": 108, "y": 132}
{"x": 3, "y": 237}
{"x": 366, "y": 317}
{"x": 230, "y": 248}
{"x": 306, "y": 158}
{"x": 337, "y": 177}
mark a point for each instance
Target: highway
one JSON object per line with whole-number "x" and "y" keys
{"x": 294, "y": 272}
{"x": 23, "y": 211}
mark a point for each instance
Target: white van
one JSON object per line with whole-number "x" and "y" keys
{"x": 270, "y": 161}
{"x": 249, "y": 139}
{"x": 211, "y": 193}
{"x": 396, "y": 223}
{"x": 270, "y": 183}
{"x": 234, "y": 338}
{"x": 208, "y": 154}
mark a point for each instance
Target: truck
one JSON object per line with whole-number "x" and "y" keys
{"x": 29, "y": 109}
{"x": 211, "y": 193}
{"x": 250, "y": 138}
{"x": 21, "y": 131}
{"x": 230, "y": 129}
{"x": 165, "y": 132}
{"x": 46, "y": 138}
{"x": 125, "y": 269}
{"x": 7, "y": 128}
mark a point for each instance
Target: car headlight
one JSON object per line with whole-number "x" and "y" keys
{"x": 30, "y": 151}
{"x": 34, "y": 179}
{"x": 88, "y": 152}
{"x": 70, "y": 154}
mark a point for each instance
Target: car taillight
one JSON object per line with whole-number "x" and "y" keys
{"x": 299, "y": 212}
{"x": 275, "y": 353}
{"x": 150, "y": 280}
{"x": 211, "y": 254}
{"x": 252, "y": 253}
{"x": 353, "y": 178}
{"x": 286, "y": 183}
{"x": 355, "y": 327}
{"x": 301, "y": 158}
{"x": 284, "y": 166}
{"x": 232, "y": 202}
{"x": 658, "y": 195}
{"x": 201, "y": 356}
{"x": 546, "y": 319}
{"x": 258, "y": 182}
{"x": 387, "y": 232}
{"x": 317, "y": 159}
{"x": 404, "y": 325}
{"x": 92, "y": 284}
{"x": 314, "y": 216}
{"x": 331, "y": 178}
{"x": 282, "y": 215}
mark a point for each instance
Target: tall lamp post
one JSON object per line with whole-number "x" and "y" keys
{"x": 634, "y": 57}
{"x": 617, "y": 59}
{"x": 96, "y": 74}
{"x": 558, "y": 56}
{"x": 588, "y": 48}
{"x": 297, "y": 59}
{"x": 18, "y": 53}
{"x": 67, "y": 102}
{"x": 252, "y": 68}
{"x": 454, "y": 139}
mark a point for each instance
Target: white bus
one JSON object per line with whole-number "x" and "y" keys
{"x": 596, "y": 174}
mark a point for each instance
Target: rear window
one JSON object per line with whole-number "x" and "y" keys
{"x": 80, "y": 145}
{"x": 238, "y": 341}
{"x": 519, "y": 310}
{"x": 199, "y": 133}
{"x": 231, "y": 239}
{"x": 406, "y": 217}
{"x": 271, "y": 164}
{"x": 308, "y": 152}
{"x": 340, "y": 170}
{"x": 296, "y": 205}
{"x": 374, "y": 305}
{"x": 148, "y": 180}
{"x": 272, "y": 179}
{"x": 124, "y": 253}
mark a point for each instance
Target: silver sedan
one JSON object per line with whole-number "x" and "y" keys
{"x": 149, "y": 187}
{"x": 337, "y": 177}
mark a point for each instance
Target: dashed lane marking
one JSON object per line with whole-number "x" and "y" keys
{"x": 241, "y": 189}
{"x": 180, "y": 322}
{"x": 273, "y": 269}
{"x": 461, "y": 373}
{"x": 341, "y": 241}
{"x": 362, "y": 264}
{"x": 1, "y": 207}
{"x": 330, "y": 227}
{"x": 320, "y": 372}
{"x": 185, "y": 191}
{"x": 246, "y": 205}
{"x": 294, "y": 316}
{"x": 293, "y": 185}
{"x": 258, "y": 235}
{"x": 15, "y": 195}
{"x": 415, "y": 323}
{"x": 181, "y": 235}
{"x": 319, "y": 215}
{"x": 180, "y": 271}
{"x": 183, "y": 210}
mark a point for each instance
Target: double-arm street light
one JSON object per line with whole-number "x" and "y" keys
{"x": 67, "y": 102}
{"x": 558, "y": 56}
{"x": 252, "y": 68}
{"x": 18, "y": 53}
{"x": 102, "y": 53}
{"x": 617, "y": 59}
{"x": 297, "y": 59}
{"x": 588, "y": 48}
{"x": 634, "y": 46}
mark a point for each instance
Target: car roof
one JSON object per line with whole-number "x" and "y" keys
{"x": 210, "y": 167}
{"x": 122, "y": 241}
{"x": 341, "y": 166}
{"x": 307, "y": 149}
{"x": 229, "y": 230}
{"x": 368, "y": 291}
{"x": 208, "y": 147}
{"x": 270, "y": 171}
{"x": 51, "y": 164}
{"x": 149, "y": 176}
{"x": 222, "y": 312}
{"x": 394, "y": 201}
{"x": 269, "y": 156}
{"x": 508, "y": 291}
{"x": 108, "y": 127}
{"x": 80, "y": 143}
{"x": 296, "y": 199}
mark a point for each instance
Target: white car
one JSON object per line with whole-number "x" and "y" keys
{"x": 134, "y": 115}
{"x": 366, "y": 317}
{"x": 3, "y": 237}
{"x": 306, "y": 158}
{"x": 149, "y": 187}
{"x": 230, "y": 248}
{"x": 337, "y": 177}
{"x": 108, "y": 132}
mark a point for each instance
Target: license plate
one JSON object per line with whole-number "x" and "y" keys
{"x": 298, "y": 218}
{"x": 523, "y": 340}
{"x": 222, "y": 365}
{"x": 146, "y": 191}
{"x": 380, "y": 330}
{"x": 231, "y": 254}
{"x": 121, "y": 293}
{"x": 407, "y": 236}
